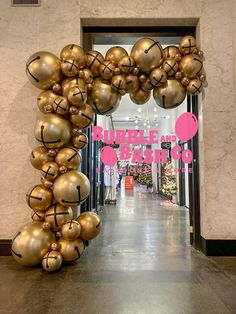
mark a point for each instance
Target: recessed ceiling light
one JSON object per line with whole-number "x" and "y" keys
{"x": 139, "y": 109}
{"x": 155, "y": 109}
{"x": 167, "y": 117}
{"x": 127, "y": 118}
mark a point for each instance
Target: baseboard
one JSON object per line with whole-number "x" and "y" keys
{"x": 5, "y": 247}
{"x": 218, "y": 247}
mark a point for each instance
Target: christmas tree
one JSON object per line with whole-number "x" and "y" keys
{"x": 145, "y": 174}
{"x": 169, "y": 186}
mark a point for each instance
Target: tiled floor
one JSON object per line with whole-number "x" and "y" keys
{"x": 140, "y": 264}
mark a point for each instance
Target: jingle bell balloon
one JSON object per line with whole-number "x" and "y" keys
{"x": 71, "y": 82}
{"x": 39, "y": 156}
{"x": 77, "y": 96}
{"x": 80, "y": 141}
{"x": 140, "y": 96}
{"x": 190, "y": 65}
{"x": 169, "y": 95}
{"x": 43, "y": 69}
{"x": 132, "y": 83}
{"x": 170, "y": 66}
{"x": 94, "y": 60}
{"x": 71, "y": 230}
{"x": 71, "y": 250}
{"x": 187, "y": 45}
{"x": 57, "y": 215}
{"x": 147, "y": 54}
{"x": 106, "y": 69}
{"x": 39, "y": 198}
{"x": 84, "y": 118}
{"x": 61, "y": 105}
{"x": 158, "y": 77}
{"x": 118, "y": 83}
{"x": 103, "y": 99}
{"x": 68, "y": 157}
{"x": 170, "y": 52}
{"x": 74, "y": 52}
{"x": 69, "y": 67}
{"x": 45, "y": 98}
{"x": 71, "y": 188}
{"x": 50, "y": 171}
{"x": 52, "y": 261}
{"x": 194, "y": 87}
{"x": 31, "y": 243}
{"x": 115, "y": 54}
{"x": 90, "y": 225}
{"x": 126, "y": 64}
{"x": 52, "y": 131}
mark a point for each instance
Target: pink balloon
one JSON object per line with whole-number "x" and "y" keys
{"x": 108, "y": 156}
{"x": 186, "y": 126}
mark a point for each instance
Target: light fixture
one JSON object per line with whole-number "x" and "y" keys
{"x": 155, "y": 109}
{"x": 145, "y": 123}
{"x": 139, "y": 110}
{"x": 167, "y": 117}
{"x": 155, "y": 115}
{"x": 136, "y": 121}
{"x": 127, "y": 118}
{"x": 136, "y": 127}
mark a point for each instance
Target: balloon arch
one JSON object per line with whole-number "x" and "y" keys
{"x": 75, "y": 87}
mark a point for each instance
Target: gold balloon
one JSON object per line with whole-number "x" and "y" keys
{"x": 170, "y": 66}
{"x": 115, "y": 54}
{"x": 31, "y": 243}
{"x": 55, "y": 246}
{"x": 170, "y": 52}
{"x": 84, "y": 118}
{"x": 90, "y": 225}
{"x": 52, "y": 131}
{"x": 77, "y": 96}
{"x": 126, "y": 64}
{"x": 39, "y": 156}
{"x": 52, "y": 261}
{"x": 46, "y": 183}
{"x": 56, "y": 88}
{"x": 158, "y": 77}
{"x": 194, "y": 87}
{"x": 71, "y": 188}
{"x": 147, "y": 86}
{"x": 37, "y": 216}
{"x": 61, "y": 105}
{"x": 71, "y": 230}
{"x": 103, "y": 98}
{"x": 69, "y": 67}
{"x": 80, "y": 141}
{"x": 169, "y": 95}
{"x": 106, "y": 69}
{"x": 45, "y": 98}
{"x": 68, "y": 157}
{"x": 187, "y": 45}
{"x": 147, "y": 54}
{"x": 50, "y": 171}
{"x": 88, "y": 76}
{"x": 94, "y": 60}
{"x": 71, "y": 82}
{"x": 39, "y": 198}
{"x": 118, "y": 83}
{"x": 75, "y": 52}
{"x": 71, "y": 250}
{"x": 132, "y": 83}
{"x": 43, "y": 69}
{"x": 57, "y": 215}
{"x": 191, "y": 65}
{"x": 178, "y": 75}
{"x": 140, "y": 96}
{"x": 185, "y": 81}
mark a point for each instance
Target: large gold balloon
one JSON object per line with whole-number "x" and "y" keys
{"x": 80, "y": 141}
{"x": 132, "y": 83}
{"x": 31, "y": 243}
{"x": 170, "y": 52}
{"x": 169, "y": 95}
{"x": 194, "y": 87}
{"x": 103, "y": 98}
{"x": 52, "y": 131}
{"x": 44, "y": 99}
{"x": 68, "y": 157}
{"x": 75, "y": 52}
{"x": 118, "y": 83}
{"x": 52, "y": 261}
{"x": 71, "y": 188}
{"x": 90, "y": 225}
{"x": 57, "y": 215}
{"x": 84, "y": 118}
{"x": 43, "y": 69}
{"x": 187, "y": 45}
{"x": 71, "y": 250}
{"x": 115, "y": 54}
{"x": 50, "y": 171}
{"x": 39, "y": 198}
{"x": 71, "y": 82}
{"x": 140, "y": 96}
{"x": 71, "y": 230}
{"x": 170, "y": 66}
{"x": 158, "y": 77}
{"x": 106, "y": 69}
{"x": 126, "y": 64}
{"x": 147, "y": 54}
{"x": 61, "y": 105}
{"x": 94, "y": 60}
{"x": 190, "y": 65}
{"x": 39, "y": 156}
{"x": 69, "y": 67}
{"x": 77, "y": 96}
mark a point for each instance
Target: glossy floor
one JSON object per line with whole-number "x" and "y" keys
{"x": 141, "y": 263}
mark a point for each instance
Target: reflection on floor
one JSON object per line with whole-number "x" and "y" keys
{"x": 141, "y": 263}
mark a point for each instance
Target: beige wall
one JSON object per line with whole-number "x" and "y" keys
{"x": 56, "y": 23}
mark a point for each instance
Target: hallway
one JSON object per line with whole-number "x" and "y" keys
{"x": 141, "y": 263}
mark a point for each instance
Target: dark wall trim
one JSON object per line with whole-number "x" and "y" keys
{"x": 218, "y": 247}
{"x": 5, "y": 247}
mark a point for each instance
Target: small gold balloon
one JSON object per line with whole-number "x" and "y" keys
{"x": 61, "y": 105}
{"x": 126, "y": 64}
{"x": 170, "y": 52}
{"x": 118, "y": 83}
{"x": 71, "y": 188}
{"x": 50, "y": 171}
{"x": 136, "y": 71}
{"x": 103, "y": 99}
{"x": 90, "y": 225}
{"x": 71, "y": 82}
{"x": 39, "y": 156}
{"x": 187, "y": 45}
{"x": 56, "y": 88}
{"x": 191, "y": 65}
{"x": 45, "y": 98}
{"x": 39, "y": 198}
{"x": 43, "y": 69}
{"x": 185, "y": 81}
{"x": 147, "y": 54}
{"x": 170, "y": 66}
{"x": 46, "y": 225}
{"x": 80, "y": 141}
{"x": 71, "y": 250}
{"x": 178, "y": 75}
{"x": 75, "y": 52}
{"x": 106, "y": 69}
{"x": 90, "y": 87}
{"x": 37, "y": 216}
{"x": 31, "y": 243}
{"x": 200, "y": 53}
{"x": 117, "y": 71}
{"x": 132, "y": 83}
{"x": 94, "y": 60}
{"x": 202, "y": 77}
{"x": 178, "y": 57}
{"x": 52, "y": 152}
{"x": 74, "y": 110}
{"x": 140, "y": 96}
{"x": 88, "y": 76}
{"x": 169, "y": 95}
{"x": 58, "y": 235}
{"x": 147, "y": 86}
{"x": 69, "y": 67}
{"x": 57, "y": 215}
{"x": 63, "y": 169}
{"x": 71, "y": 230}
{"x": 52, "y": 131}
{"x": 142, "y": 78}
{"x": 48, "y": 108}
{"x": 194, "y": 87}
{"x": 77, "y": 96}
{"x": 115, "y": 54}
{"x": 75, "y": 131}
{"x": 84, "y": 118}
{"x": 68, "y": 157}
{"x": 55, "y": 246}
{"x": 52, "y": 261}
{"x": 46, "y": 183}
{"x": 158, "y": 77}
